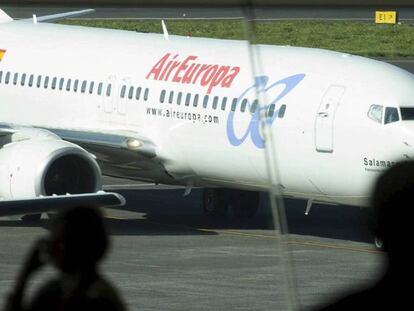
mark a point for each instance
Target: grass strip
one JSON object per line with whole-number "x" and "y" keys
{"x": 366, "y": 39}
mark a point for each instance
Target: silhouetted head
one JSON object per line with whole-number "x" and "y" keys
{"x": 78, "y": 239}
{"x": 392, "y": 202}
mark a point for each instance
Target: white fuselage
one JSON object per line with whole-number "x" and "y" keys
{"x": 326, "y": 146}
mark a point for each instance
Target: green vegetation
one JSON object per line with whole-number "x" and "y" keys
{"x": 365, "y": 39}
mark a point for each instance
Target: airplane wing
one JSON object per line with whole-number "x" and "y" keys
{"x": 54, "y": 203}
{"x": 55, "y": 17}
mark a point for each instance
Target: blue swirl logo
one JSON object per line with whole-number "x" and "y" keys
{"x": 261, "y": 85}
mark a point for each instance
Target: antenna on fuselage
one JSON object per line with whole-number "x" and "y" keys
{"x": 164, "y": 30}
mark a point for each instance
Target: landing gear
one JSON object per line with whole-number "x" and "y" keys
{"x": 379, "y": 244}
{"x": 243, "y": 204}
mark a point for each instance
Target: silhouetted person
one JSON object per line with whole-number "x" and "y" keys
{"x": 393, "y": 207}
{"x": 78, "y": 241}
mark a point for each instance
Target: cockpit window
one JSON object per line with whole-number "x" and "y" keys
{"x": 407, "y": 113}
{"x": 391, "y": 115}
{"x": 375, "y": 113}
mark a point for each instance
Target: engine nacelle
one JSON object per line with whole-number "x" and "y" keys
{"x": 43, "y": 167}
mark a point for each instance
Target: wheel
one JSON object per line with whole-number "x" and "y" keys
{"x": 379, "y": 244}
{"x": 215, "y": 202}
{"x": 245, "y": 204}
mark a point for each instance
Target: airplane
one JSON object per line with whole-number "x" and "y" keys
{"x": 77, "y": 103}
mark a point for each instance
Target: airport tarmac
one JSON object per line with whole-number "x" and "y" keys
{"x": 166, "y": 255}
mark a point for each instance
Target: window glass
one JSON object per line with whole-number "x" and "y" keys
{"x": 108, "y": 89}
{"x": 83, "y": 87}
{"x": 46, "y": 82}
{"x": 131, "y": 92}
{"x": 179, "y": 98}
{"x": 223, "y": 103}
{"x": 282, "y": 111}
{"x": 1, "y": 76}
{"x": 375, "y": 113}
{"x": 61, "y": 83}
{"x": 146, "y": 94}
{"x": 138, "y": 94}
{"x": 68, "y": 84}
{"x": 391, "y": 115}
{"x": 195, "y": 101}
{"x": 15, "y": 78}
{"x": 31, "y": 79}
{"x": 75, "y": 85}
{"x": 205, "y": 101}
{"x": 215, "y": 102}
{"x": 23, "y": 80}
{"x": 271, "y": 111}
{"x": 7, "y": 80}
{"x": 243, "y": 105}
{"x": 100, "y": 88}
{"x": 407, "y": 113}
{"x": 123, "y": 91}
{"x": 54, "y": 82}
{"x": 91, "y": 86}
{"x": 171, "y": 98}
{"x": 188, "y": 99}
{"x": 254, "y": 106}
{"x": 162, "y": 96}
{"x": 234, "y": 104}
{"x": 39, "y": 81}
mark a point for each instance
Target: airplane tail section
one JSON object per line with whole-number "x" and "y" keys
{"x": 4, "y": 18}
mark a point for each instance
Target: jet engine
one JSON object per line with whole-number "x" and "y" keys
{"x": 44, "y": 167}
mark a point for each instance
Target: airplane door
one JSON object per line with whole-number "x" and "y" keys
{"x": 325, "y": 117}
{"x": 122, "y": 102}
{"x": 108, "y": 94}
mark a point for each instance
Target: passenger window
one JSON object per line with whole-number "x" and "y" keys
{"x": 54, "y": 81}
{"x": 138, "y": 94}
{"x": 188, "y": 99}
{"x": 7, "y": 80}
{"x": 223, "y": 103}
{"x": 83, "y": 87}
{"x": 68, "y": 84}
{"x": 108, "y": 89}
{"x": 243, "y": 105}
{"x": 91, "y": 86}
{"x": 282, "y": 111}
{"x": 131, "y": 92}
{"x": 39, "y": 81}
{"x": 234, "y": 104}
{"x": 31, "y": 79}
{"x": 171, "y": 98}
{"x": 215, "y": 102}
{"x": 75, "y": 85}
{"x": 254, "y": 106}
{"x": 179, "y": 98}
{"x": 205, "y": 101}
{"x": 46, "y": 83}
{"x": 100, "y": 87}
{"x": 162, "y": 96}
{"x": 16, "y": 78}
{"x": 23, "y": 80}
{"x": 61, "y": 83}
{"x": 146, "y": 94}
{"x": 123, "y": 91}
{"x": 271, "y": 110}
{"x": 391, "y": 115}
{"x": 195, "y": 101}
{"x": 1, "y": 76}
{"x": 375, "y": 113}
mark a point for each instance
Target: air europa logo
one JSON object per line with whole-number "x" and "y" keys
{"x": 189, "y": 71}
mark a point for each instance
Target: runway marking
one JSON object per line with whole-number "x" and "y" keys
{"x": 263, "y": 236}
